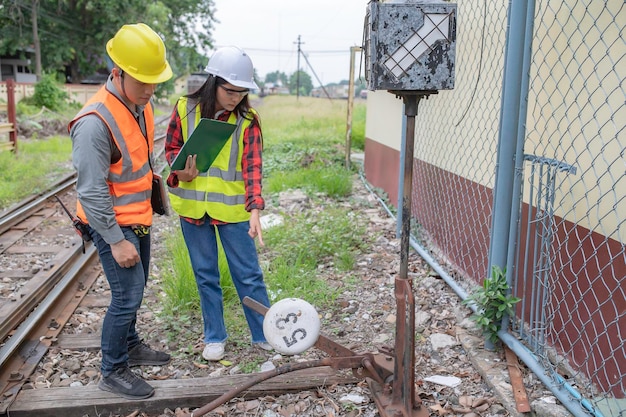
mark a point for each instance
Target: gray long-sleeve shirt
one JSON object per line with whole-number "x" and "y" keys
{"x": 92, "y": 151}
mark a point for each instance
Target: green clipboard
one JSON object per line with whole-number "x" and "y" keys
{"x": 206, "y": 141}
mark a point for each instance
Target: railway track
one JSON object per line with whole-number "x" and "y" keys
{"x": 48, "y": 281}
{"x": 46, "y": 273}
{"x": 52, "y": 281}
{"x": 49, "y": 272}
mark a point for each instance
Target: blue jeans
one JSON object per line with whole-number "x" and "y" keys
{"x": 127, "y": 285}
{"x": 245, "y": 271}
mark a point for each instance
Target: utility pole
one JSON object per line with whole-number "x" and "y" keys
{"x": 353, "y": 51}
{"x": 35, "y": 7}
{"x": 298, "y": 69}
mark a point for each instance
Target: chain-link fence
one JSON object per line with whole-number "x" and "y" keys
{"x": 574, "y": 145}
{"x": 560, "y": 155}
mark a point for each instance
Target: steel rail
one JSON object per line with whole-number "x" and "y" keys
{"x": 17, "y": 213}
{"x": 11, "y": 317}
{"x": 21, "y": 355}
{"x": 50, "y": 298}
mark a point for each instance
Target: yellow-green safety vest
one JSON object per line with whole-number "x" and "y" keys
{"x": 220, "y": 192}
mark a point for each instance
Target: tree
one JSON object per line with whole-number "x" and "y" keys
{"x": 73, "y": 34}
{"x": 300, "y": 82}
{"x": 276, "y": 77}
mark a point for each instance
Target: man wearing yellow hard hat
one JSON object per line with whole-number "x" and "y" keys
{"x": 112, "y": 145}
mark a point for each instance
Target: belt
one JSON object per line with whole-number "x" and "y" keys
{"x": 140, "y": 230}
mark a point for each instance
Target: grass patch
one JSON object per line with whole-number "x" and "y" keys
{"x": 303, "y": 149}
{"x": 36, "y": 165}
{"x": 307, "y": 132}
{"x": 334, "y": 181}
{"x": 296, "y": 249}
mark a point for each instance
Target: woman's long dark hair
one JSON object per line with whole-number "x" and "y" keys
{"x": 206, "y": 97}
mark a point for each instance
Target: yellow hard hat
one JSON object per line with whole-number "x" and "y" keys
{"x": 139, "y": 51}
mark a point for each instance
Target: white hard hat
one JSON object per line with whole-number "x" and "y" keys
{"x": 234, "y": 65}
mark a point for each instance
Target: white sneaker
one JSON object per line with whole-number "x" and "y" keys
{"x": 264, "y": 346}
{"x": 213, "y": 351}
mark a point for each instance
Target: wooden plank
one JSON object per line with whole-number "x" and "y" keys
{"x": 89, "y": 342}
{"x": 16, "y": 274}
{"x": 96, "y": 300}
{"x": 16, "y": 250}
{"x": 6, "y": 127}
{"x": 6, "y": 146}
{"x": 517, "y": 382}
{"x": 192, "y": 393}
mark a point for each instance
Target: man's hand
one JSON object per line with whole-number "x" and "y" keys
{"x": 125, "y": 254}
{"x": 255, "y": 226}
{"x": 190, "y": 172}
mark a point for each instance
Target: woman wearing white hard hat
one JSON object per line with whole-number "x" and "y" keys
{"x": 226, "y": 200}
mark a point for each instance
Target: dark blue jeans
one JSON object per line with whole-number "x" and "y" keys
{"x": 245, "y": 271}
{"x": 127, "y": 285}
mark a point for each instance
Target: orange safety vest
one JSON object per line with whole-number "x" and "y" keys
{"x": 130, "y": 178}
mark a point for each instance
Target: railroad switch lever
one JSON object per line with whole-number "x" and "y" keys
{"x": 376, "y": 367}
{"x": 81, "y": 228}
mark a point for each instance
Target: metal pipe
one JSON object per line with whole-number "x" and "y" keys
{"x": 353, "y": 51}
{"x": 519, "y": 149}
{"x": 403, "y": 384}
{"x": 401, "y": 172}
{"x": 508, "y": 131}
{"x": 229, "y": 395}
{"x": 562, "y": 390}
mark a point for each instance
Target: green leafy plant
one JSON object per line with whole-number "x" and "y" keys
{"x": 493, "y": 302}
{"x": 49, "y": 93}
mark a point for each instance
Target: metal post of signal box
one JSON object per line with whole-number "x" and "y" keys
{"x": 410, "y": 52}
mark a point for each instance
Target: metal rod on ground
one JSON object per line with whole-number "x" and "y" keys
{"x": 227, "y": 396}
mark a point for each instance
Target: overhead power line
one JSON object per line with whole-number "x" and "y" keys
{"x": 290, "y": 51}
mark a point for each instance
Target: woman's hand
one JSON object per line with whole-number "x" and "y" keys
{"x": 255, "y": 226}
{"x": 190, "y": 172}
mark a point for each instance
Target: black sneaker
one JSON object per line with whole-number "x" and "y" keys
{"x": 142, "y": 354}
{"x": 125, "y": 383}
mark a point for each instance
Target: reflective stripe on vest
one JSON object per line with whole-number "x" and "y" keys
{"x": 130, "y": 178}
{"x": 219, "y": 192}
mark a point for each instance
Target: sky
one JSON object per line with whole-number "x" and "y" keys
{"x": 268, "y": 31}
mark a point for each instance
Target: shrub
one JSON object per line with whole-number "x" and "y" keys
{"x": 49, "y": 94}
{"x": 493, "y": 302}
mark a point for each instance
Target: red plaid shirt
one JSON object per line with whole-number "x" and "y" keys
{"x": 251, "y": 163}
